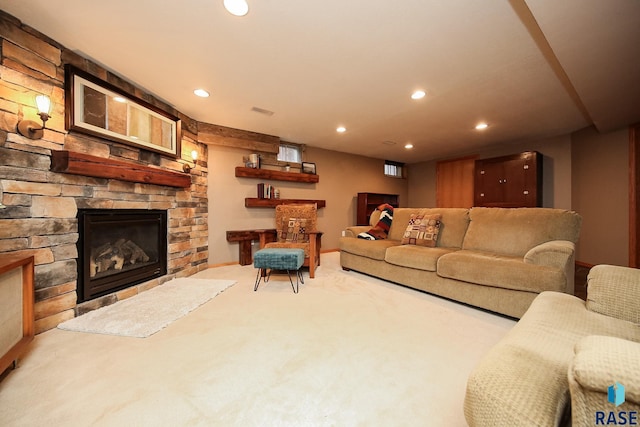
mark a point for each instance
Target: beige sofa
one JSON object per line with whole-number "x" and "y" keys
{"x": 493, "y": 258}
{"x": 557, "y": 363}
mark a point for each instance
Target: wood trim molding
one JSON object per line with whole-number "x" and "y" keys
{"x": 634, "y": 196}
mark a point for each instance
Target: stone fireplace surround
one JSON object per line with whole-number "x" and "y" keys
{"x": 40, "y": 205}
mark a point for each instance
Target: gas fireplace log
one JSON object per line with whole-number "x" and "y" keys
{"x": 114, "y": 256}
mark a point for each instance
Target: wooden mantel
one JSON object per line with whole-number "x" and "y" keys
{"x": 98, "y": 167}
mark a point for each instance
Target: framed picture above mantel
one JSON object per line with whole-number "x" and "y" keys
{"x": 98, "y": 108}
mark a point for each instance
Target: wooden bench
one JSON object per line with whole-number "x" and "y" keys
{"x": 245, "y": 237}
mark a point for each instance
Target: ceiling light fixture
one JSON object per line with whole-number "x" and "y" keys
{"x": 236, "y": 7}
{"x": 418, "y": 94}
{"x": 201, "y": 93}
{"x": 341, "y": 129}
{"x": 408, "y": 145}
{"x": 481, "y": 126}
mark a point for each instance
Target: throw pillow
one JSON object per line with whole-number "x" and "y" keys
{"x": 422, "y": 230}
{"x": 381, "y": 230}
{"x": 294, "y": 230}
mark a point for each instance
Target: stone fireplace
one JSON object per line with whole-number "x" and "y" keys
{"x": 119, "y": 248}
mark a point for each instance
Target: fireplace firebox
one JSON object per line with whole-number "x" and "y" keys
{"x": 119, "y": 248}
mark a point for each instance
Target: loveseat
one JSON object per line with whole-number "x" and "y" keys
{"x": 557, "y": 364}
{"x": 494, "y": 258}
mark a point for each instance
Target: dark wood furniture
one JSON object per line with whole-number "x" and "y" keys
{"x": 16, "y": 307}
{"x": 276, "y": 175}
{"x": 368, "y": 202}
{"x": 252, "y": 202}
{"x": 509, "y": 181}
{"x": 244, "y": 239}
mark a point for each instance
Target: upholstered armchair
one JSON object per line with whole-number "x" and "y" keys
{"x": 296, "y": 227}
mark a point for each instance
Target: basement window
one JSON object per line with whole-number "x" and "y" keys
{"x": 393, "y": 169}
{"x": 290, "y": 153}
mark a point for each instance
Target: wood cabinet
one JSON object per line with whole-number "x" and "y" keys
{"x": 509, "y": 181}
{"x": 16, "y": 308}
{"x": 368, "y": 202}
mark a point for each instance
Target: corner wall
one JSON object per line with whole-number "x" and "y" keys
{"x": 342, "y": 176}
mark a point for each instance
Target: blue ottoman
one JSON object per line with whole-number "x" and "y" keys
{"x": 278, "y": 259}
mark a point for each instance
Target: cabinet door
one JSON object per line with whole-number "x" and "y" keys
{"x": 489, "y": 189}
{"x": 509, "y": 181}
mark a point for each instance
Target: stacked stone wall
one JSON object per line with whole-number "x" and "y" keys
{"x": 39, "y": 207}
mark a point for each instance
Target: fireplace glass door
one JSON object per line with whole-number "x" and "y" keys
{"x": 118, "y": 249}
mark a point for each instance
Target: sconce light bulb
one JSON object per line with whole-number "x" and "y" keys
{"x": 44, "y": 104}
{"x": 194, "y": 155}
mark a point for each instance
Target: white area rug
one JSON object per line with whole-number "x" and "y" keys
{"x": 147, "y": 313}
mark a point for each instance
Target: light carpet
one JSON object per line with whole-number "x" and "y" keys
{"x": 348, "y": 350}
{"x": 147, "y": 313}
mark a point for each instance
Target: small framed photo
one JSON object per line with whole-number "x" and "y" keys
{"x": 309, "y": 168}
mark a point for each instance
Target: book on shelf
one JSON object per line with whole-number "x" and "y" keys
{"x": 266, "y": 191}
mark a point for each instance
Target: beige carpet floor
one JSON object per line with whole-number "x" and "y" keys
{"x": 348, "y": 350}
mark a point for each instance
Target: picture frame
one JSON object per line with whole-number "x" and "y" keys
{"x": 98, "y": 108}
{"x": 309, "y": 168}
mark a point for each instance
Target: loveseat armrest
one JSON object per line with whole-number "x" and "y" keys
{"x": 599, "y": 363}
{"x": 353, "y": 231}
{"x": 614, "y": 291}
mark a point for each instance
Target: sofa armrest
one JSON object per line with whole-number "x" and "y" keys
{"x": 599, "y": 363}
{"x": 355, "y": 230}
{"x": 555, "y": 253}
{"x": 614, "y": 291}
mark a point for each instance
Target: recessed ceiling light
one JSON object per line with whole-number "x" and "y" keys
{"x": 236, "y": 7}
{"x": 201, "y": 93}
{"x": 408, "y": 145}
{"x": 418, "y": 94}
{"x": 341, "y": 129}
{"x": 481, "y": 126}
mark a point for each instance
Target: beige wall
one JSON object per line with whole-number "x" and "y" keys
{"x": 601, "y": 195}
{"x": 556, "y": 185}
{"x": 342, "y": 176}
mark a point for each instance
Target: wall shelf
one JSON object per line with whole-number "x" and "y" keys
{"x": 276, "y": 175}
{"x": 272, "y": 203}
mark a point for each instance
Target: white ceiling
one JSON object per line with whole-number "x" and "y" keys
{"x": 529, "y": 68}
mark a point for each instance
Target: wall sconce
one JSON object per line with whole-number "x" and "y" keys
{"x": 186, "y": 168}
{"x": 31, "y": 129}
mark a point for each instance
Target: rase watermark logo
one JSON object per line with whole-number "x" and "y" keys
{"x": 615, "y": 396}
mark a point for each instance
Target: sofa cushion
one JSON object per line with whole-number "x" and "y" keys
{"x": 418, "y": 257}
{"x": 453, "y": 224}
{"x": 515, "y": 231}
{"x": 374, "y": 249}
{"x": 500, "y": 271}
{"x": 422, "y": 230}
